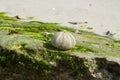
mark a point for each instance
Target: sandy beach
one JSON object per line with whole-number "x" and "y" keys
{"x": 102, "y": 15}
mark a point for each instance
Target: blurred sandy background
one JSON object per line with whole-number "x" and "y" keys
{"x": 102, "y": 15}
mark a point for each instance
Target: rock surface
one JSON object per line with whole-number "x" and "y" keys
{"x": 102, "y": 68}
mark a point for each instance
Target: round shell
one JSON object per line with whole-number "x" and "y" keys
{"x": 63, "y": 40}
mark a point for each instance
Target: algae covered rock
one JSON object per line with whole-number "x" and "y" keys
{"x": 25, "y": 54}
{"x": 18, "y": 42}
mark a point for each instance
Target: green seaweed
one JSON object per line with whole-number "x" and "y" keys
{"x": 24, "y": 45}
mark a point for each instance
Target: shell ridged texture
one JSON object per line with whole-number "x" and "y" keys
{"x": 63, "y": 40}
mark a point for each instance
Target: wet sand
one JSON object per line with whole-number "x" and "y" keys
{"x": 102, "y": 15}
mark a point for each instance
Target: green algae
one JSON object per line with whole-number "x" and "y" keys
{"x": 25, "y": 46}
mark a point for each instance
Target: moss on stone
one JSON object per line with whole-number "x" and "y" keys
{"x": 25, "y": 50}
